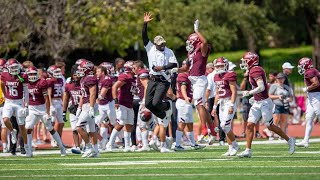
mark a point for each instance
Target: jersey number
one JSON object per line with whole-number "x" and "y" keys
{"x": 58, "y": 92}
{"x": 221, "y": 90}
{"x": 13, "y": 91}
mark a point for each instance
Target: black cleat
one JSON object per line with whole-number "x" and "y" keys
{"x": 23, "y": 151}
{"x": 13, "y": 149}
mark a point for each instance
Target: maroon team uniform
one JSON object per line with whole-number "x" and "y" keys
{"x": 14, "y": 104}
{"x": 56, "y": 85}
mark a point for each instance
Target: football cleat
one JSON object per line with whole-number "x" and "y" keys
{"x": 76, "y": 150}
{"x": 291, "y": 143}
{"x": 302, "y": 144}
{"x": 196, "y": 147}
{"x": 63, "y": 152}
{"x": 201, "y": 139}
{"x": 143, "y": 149}
{"x": 246, "y": 153}
{"x": 233, "y": 151}
{"x": 221, "y": 143}
{"x": 14, "y": 136}
{"x": 179, "y": 148}
{"x": 127, "y": 149}
{"x": 109, "y": 147}
{"x": 134, "y": 148}
{"x": 88, "y": 153}
{"x": 211, "y": 139}
{"x": 227, "y": 153}
{"x": 153, "y": 145}
{"x": 166, "y": 150}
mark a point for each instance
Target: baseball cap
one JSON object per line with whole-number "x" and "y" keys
{"x": 158, "y": 40}
{"x": 287, "y": 65}
{"x": 280, "y": 76}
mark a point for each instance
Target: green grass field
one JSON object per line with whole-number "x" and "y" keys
{"x": 268, "y": 162}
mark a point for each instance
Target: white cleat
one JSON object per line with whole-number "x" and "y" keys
{"x": 87, "y": 153}
{"x": 14, "y": 136}
{"x": 221, "y": 143}
{"x": 144, "y": 149}
{"x": 166, "y": 150}
{"x": 94, "y": 154}
{"x": 291, "y": 143}
{"x": 245, "y": 153}
{"x": 302, "y": 144}
{"x": 134, "y": 148}
{"x": 201, "y": 139}
{"x": 227, "y": 153}
{"x": 109, "y": 147}
{"x": 233, "y": 151}
{"x": 153, "y": 145}
{"x": 63, "y": 152}
{"x": 5, "y": 150}
{"x": 127, "y": 149}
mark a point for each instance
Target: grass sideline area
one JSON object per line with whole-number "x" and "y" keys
{"x": 268, "y": 162}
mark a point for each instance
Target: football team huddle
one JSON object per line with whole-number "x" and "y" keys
{"x": 100, "y": 100}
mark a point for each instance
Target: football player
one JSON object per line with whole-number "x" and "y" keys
{"x": 39, "y": 108}
{"x": 55, "y": 92}
{"x": 105, "y": 101}
{"x": 185, "y": 111}
{"x": 124, "y": 106}
{"x": 86, "y": 109}
{"x": 5, "y": 147}
{"x": 72, "y": 93}
{"x": 226, "y": 94}
{"x": 145, "y": 120}
{"x": 13, "y": 84}
{"x": 311, "y": 79}
{"x": 198, "y": 52}
{"x": 262, "y": 107}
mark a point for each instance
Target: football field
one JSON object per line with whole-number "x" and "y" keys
{"x": 269, "y": 161}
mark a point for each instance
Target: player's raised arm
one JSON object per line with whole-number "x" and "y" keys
{"x": 147, "y": 18}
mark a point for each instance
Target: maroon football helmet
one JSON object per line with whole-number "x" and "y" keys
{"x": 221, "y": 65}
{"x": 193, "y": 42}
{"x": 249, "y": 60}
{"x": 13, "y": 66}
{"x": 54, "y": 71}
{"x": 79, "y": 61}
{"x": 109, "y": 67}
{"x": 145, "y": 114}
{"x": 304, "y": 64}
{"x": 128, "y": 66}
{"x": 32, "y": 73}
{"x": 2, "y": 64}
{"x": 85, "y": 68}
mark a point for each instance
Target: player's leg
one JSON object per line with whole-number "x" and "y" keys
{"x": 117, "y": 128}
{"x": 6, "y": 115}
{"x": 31, "y": 120}
{"x": 128, "y": 127}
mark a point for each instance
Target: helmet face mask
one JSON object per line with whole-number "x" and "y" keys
{"x": 249, "y": 60}
{"x": 221, "y": 65}
{"x": 189, "y": 46}
{"x": 14, "y": 69}
{"x": 32, "y": 73}
{"x": 301, "y": 69}
{"x": 243, "y": 65}
{"x": 57, "y": 73}
{"x": 85, "y": 68}
{"x": 192, "y": 43}
{"x": 304, "y": 64}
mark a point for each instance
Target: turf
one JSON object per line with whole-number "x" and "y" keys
{"x": 268, "y": 162}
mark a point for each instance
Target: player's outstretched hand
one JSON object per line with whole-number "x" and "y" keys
{"x": 147, "y": 17}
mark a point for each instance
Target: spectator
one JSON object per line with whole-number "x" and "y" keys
{"x": 118, "y": 65}
{"x": 281, "y": 95}
{"x": 287, "y": 70}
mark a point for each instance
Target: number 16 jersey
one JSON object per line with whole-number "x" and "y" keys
{"x": 13, "y": 86}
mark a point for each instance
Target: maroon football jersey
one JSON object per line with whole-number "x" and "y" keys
{"x": 74, "y": 91}
{"x": 183, "y": 79}
{"x": 57, "y": 87}
{"x": 198, "y": 64}
{"x": 222, "y": 83}
{"x": 13, "y": 86}
{"x": 142, "y": 73}
{"x": 126, "y": 91}
{"x": 308, "y": 75}
{"x": 254, "y": 73}
{"x": 106, "y": 82}
{"x": 87, "y": 82}
{"x": 36, "y": 92}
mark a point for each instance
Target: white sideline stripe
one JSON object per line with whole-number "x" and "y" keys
{"x": 308, "y": 152}
{"x": 159, "y": 175}
{"x": 134, "y": 168}
{"x": 123, "y": 163}
{"x": 266, "y": 142}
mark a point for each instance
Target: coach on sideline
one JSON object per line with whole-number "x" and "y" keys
{"x": 160, "y": 60}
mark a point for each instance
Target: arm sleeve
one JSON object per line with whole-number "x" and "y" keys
{"x": 170, "y": 66}
{"x": 258, "y": 89}
{"x": 145, "y": 34}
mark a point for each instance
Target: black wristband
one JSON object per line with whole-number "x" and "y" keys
{"x": 116, "y": 100}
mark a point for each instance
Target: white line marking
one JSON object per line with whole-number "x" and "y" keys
{"x": 123, "y": 163}
{"x": 308, "y": 152}
{"x": 160, "y": 175}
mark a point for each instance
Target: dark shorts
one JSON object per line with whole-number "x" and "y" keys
{"x": 280, "y": 110}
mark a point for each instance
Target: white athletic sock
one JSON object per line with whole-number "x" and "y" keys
{"x": 95, "y": 147}
{"x": 139, "y": 134}
{"x": 103, "y": 132}
{"x": 163, "y": 144}
{"x": 144, "y": 136}
{"x": 178, "y": 137}
{"x": 191, "y": 137}
{"x": 29, "y": 140}
{"x": 113, "y": 136}
{"x": 88, "y": 146}
{"x": 4, "y": 145}
{"x": 309, "y": 126}
{"x": 57, "y": 138}
{"x": 127, "y": 137}
{"x": 234, "y": 143}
